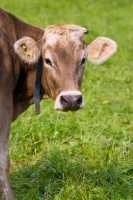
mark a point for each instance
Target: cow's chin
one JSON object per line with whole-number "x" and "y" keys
{"x": 69, "y": 101}
{"x": 70, "y": 109}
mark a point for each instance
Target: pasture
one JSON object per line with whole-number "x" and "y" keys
{"x": 84, "y": 155}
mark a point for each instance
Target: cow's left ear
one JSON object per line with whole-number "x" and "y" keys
{"x": 27, "y": 49}
{"x": 100, "y": 50}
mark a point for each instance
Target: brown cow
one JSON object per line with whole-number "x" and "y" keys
{"x": 62, "y": 53}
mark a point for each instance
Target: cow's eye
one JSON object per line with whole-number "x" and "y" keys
{"x": 48, "y": 62}
{"x": 83, "y": 61}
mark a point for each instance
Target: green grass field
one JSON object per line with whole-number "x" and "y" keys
{"x": 85, "y": 155}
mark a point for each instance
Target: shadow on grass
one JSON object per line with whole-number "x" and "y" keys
{"x": 57, "y": 176}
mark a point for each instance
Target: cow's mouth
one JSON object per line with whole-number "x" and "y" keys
{"x": 69, "y": 101}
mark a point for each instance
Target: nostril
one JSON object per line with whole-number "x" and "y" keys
{"x": 63, "y": 100}
{"x": 79, "y": 100}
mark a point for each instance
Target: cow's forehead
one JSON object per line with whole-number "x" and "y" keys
{"x": 66, "y": 29}
{"x": 64, "y": 32}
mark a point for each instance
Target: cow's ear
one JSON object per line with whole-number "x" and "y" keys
{"x": 100, "y": 50}
{"x": 27, "y": 49}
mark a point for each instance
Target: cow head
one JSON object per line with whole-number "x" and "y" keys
{"x": 64, "y": 54}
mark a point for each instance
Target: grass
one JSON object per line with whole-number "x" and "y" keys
{"x": 87, "y": 155}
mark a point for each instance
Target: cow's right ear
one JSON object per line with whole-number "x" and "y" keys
{"x": 99, "y": 50}
{"x": 27, "y": 49}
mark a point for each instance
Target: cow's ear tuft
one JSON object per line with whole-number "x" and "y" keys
{"x": 100, "y": 50}
{"x": 27, "y": 49}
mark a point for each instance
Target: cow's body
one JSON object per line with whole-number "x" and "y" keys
{"x": 63, "y": 53}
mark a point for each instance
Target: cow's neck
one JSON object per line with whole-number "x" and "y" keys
{"x": 24, "y": 29}
{"x": 24, "y": 89}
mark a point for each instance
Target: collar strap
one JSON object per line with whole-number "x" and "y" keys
{"x": 38, "y": 87}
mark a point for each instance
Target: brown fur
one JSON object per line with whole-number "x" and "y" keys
{"x": 63, "y": 53}
{"x": 16, "y": 86}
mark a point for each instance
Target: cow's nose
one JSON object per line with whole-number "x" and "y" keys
{"x": 71, "y": 102}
